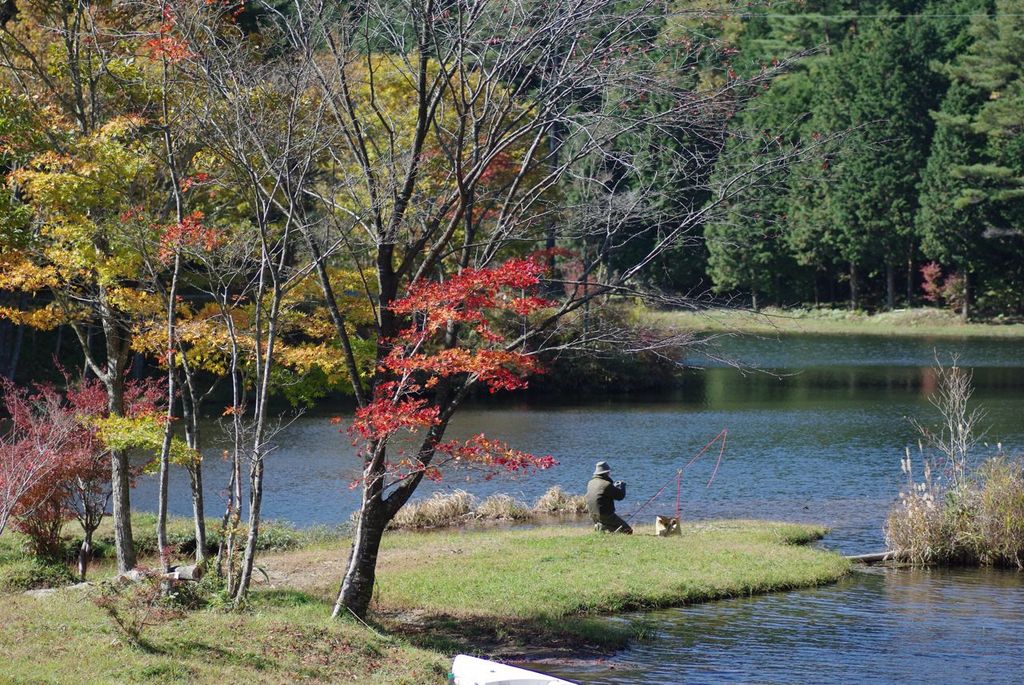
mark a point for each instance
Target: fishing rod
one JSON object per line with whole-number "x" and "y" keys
{"x": 678, "y": 477}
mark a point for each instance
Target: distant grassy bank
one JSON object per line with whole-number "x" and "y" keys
{"x": 922, "y": 322}
{"x": 495, "y": 592}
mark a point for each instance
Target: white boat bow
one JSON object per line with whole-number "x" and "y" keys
{"x": 468, "y": 670}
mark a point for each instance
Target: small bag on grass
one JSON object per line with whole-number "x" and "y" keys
{"x": 664, "y": 526}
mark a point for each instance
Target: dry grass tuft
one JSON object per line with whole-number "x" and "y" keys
{"x": 558, "y": 501}
{"x": 959, "y": 512}
{"x": 979, "y": 522}
{"x": 504, "y": 508}
{"x": 445, "y": 510}
{"x": 437, "y": 511}
{"x": 999, "y": 524}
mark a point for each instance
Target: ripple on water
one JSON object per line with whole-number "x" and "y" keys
{"x": 882, "y": 625}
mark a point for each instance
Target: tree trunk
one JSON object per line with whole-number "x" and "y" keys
{"x": 910, "y": 282}
{"x": 12, "y": 364}
{"x": 59, "y": 342}
{"x": 258, "y": 450}
{"x": 161, "y": 512}
{"x": 195, "y": 475}
{"x": 753, "y": 300}
{"x": 255, "y": 504}
{"x": 357, "y": 587}
{"x": 138, "y": 366}
{"x": 229, "y": 523}
{"x": 84, "y": 555}
{"x": 854, "y": 287}
{"x": 890, "y": 287}
{"x": 339, "y": 322}
{"x": 120, "y": 486}
{"x": 165, "y": 466}
{"x": 5, "y": 327}
{"x": 86, "y": 369}
{"x": 233, "y": 509}
{"x": 586, "y": 303}
{"x": 965, "y": 306}
{"x": 195, "y": 471}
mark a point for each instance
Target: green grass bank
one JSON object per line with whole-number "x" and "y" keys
{"x": 555, "y": 572}
{"x": 492, "y": 592}
{"x": 921, "y": 322}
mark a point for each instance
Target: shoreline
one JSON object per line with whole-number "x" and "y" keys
{"x": 439, "y": 594}
{"x": 900, "y": 323}
{"x": 552, "y": 601}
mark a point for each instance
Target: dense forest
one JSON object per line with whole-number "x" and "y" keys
{"x": 921, "y": 202}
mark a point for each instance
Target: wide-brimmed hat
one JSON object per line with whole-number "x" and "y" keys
{"x": 602, "y": 468}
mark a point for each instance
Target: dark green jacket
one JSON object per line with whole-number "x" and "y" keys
{"x": 601, "y": 496}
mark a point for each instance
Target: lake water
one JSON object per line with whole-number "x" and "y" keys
{"x": 878, "y": 626}
{"x": 816, "y": 435}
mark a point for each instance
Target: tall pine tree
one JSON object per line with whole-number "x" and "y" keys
{"x": 952, "y": 216}
{"x": 994, "y": 64}
{"x": 882, "y": 88}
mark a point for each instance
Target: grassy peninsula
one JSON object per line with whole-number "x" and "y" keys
{"x": 495, "y": 592}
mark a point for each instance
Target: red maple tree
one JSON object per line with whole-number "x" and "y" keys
{"x": 53, "y": 465}
{"x": 454, "y": 333}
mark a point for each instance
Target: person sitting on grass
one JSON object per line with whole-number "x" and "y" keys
{"x": 601, "y": 496}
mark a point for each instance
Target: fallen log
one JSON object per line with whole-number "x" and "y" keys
{"x": 191, "y": 572}
{"x": 50, "y": 591}
{"x": 876, "y": 557}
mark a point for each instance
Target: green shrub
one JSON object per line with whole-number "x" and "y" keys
{"x": 320, "y": 534}
{"x": 135, "y": 606}
{"x": 31, "y": 573}
{"x": 278, "y": 536}
{"x": 274, "y": 536}
{"x": 209, "y": 592}
{"x": 12, "y": 547}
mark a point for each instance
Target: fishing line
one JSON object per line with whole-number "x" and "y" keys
{"x": 678, "y": 477}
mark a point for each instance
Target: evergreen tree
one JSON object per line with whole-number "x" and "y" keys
{"x": 952, "y": 217}
{"x": 992, "y": 181}
{"x": 812, "y": 232}
{"x": 746, "y": 249}
{"x": 994, "y": 64}
{"x": 882, "y": 88}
